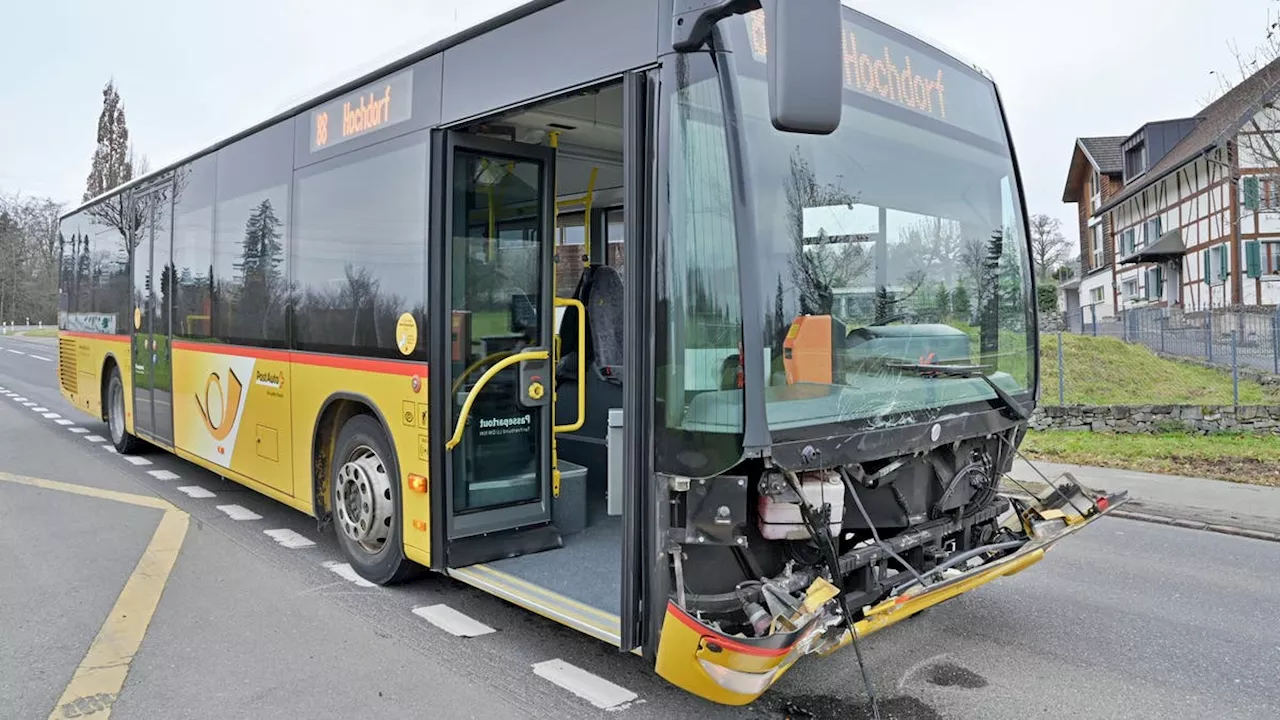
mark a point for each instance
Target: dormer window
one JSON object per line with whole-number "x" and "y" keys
{"x": 1135, "y": 161}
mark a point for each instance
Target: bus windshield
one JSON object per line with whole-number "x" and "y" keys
{"x": 898, "y": 239}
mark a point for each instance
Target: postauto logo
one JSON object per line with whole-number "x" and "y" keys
{"x": 220, "y": 405}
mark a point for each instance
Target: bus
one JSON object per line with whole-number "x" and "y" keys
{"x": 706, "y": 329}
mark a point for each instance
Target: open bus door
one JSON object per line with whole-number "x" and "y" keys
{"x": 495, "y": 387}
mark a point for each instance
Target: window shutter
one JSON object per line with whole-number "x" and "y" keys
{"x": 1159, "y": 281}
{"x": 1206, "y": 266}
{"x": 1253, "y": 258}
{"x": 1223, "y": 271}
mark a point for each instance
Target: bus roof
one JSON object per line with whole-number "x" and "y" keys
{"x": 497, "y": 21}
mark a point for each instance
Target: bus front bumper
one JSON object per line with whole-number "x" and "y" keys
{"x": 736, "y": 670}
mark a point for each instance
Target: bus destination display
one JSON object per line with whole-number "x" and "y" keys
{"x": 373, "y": 107}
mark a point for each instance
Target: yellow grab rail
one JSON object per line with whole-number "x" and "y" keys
{"x": 484, "y": 380}
{"x": 582, "y": 364}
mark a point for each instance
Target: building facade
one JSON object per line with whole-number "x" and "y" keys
{"x": 1184, "y": 213}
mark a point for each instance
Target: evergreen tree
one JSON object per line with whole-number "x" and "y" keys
{"x": 112, "y": 162}
{"x": 258, "y": 272}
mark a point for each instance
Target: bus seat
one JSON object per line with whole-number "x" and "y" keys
{"x": 604, "y": 322}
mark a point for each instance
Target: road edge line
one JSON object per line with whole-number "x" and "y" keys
{"x": 102, "y": 673}
{"x": 1196, "y": 525}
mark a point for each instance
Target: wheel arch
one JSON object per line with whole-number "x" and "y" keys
{"x": 334, "y": 413}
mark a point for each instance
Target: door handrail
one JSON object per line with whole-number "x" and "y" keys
{"x": 582, "y": 365}
{"x": 488, "y": 375}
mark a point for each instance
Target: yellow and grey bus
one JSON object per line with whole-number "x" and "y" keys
{"x": 704, "y": 328}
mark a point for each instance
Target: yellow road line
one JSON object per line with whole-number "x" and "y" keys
{"x": 101, "y": 674}
{"x": 130, "y": 498}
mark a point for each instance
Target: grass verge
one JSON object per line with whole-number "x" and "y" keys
{"x": 1107, "y": 371}
{"x": 1250, "y": 459}
{"x": 40, "y": 332}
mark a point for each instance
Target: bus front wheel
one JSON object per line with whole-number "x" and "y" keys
{"x": 364, "y": 494}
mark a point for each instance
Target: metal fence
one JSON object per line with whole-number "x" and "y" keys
{"x": 1232, "y": 338}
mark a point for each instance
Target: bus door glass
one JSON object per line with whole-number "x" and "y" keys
{"x": 152, "y": 278}
{"x": 501, "y": 294}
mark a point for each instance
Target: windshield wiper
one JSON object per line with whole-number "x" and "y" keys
{"x": 968, "y": 371}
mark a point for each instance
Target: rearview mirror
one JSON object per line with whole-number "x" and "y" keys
{"x": 806, "y": 77}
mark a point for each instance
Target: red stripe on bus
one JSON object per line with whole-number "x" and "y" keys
{"x": 389, "y": 367}
{"x": 95, "y": 336}
{"x": 722, "y": 640}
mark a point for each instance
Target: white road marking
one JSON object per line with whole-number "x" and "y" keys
{"x": 196, "y": 491}
{"x": 95, "y": 438}
{"x": 594, "y": 689}
{"x": 452, "y": 621}
{"x": 136, "y": 460}
{"x": 39, "y": 409}
{"x": 29, "y": 404}
{"x": 41, "y": 357}
{"x": 236, "y": 512}
{"x": 163, "y": 475}
{"x": 346, "y": 572}
{"x": 78, "y": 430}
{"x": 64, "y": 422}
{"x": 16, "y": 352}
{"x": 289, "y": 538}
{"x": 19, "y": 398}
{"x": 110, "y": 448}
{"x": 51, "y": 415}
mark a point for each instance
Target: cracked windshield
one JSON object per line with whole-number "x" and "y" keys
{"x": 895, "y": 242}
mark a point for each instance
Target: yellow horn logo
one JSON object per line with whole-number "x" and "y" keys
{"x": 230, "y": 403}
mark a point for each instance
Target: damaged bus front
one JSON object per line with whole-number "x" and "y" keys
{"x": 846, "y": 354}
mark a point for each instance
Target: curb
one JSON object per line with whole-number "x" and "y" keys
{"x": 1195, "y": 525}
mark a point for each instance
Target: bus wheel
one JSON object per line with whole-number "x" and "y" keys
{"x": 365, "y": 497}
{"x": 120, "y": 437}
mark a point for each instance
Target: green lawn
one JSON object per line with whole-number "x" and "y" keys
{"x": 1250, "y": 459}
{"x": 1107, "y": 371}
{"x": 41, "y": 332}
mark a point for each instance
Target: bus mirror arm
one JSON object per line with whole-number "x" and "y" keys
{"x": 805, "y": 45}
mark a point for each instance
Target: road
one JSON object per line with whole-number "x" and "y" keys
{"x": 1125, "y": 620}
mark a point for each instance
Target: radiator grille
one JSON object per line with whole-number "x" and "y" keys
{"x": 67, "y": 371}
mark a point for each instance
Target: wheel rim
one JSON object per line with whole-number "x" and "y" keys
{"x": 362, "y": 497}
{"x": 115, "y": 413}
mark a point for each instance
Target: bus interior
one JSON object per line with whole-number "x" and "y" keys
{"x": 585, "y": 129}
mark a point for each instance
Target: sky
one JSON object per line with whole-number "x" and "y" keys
{"x": 191, "y": 73}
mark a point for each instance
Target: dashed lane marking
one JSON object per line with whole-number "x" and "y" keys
{"x": 29, "y": 404}
{"x": 78, "y": 430}
{"x": 64, "y": 422}
{"x": 346, "y": 572}
{"x": 110, "y": 449}
{"x": 39, "y": 409}
{"x": 592, "y": 688}
{"x": 19, "y": 398}
{"x": 95, "y": 438}
{"x": 452, "y": 621}
{"x": 196, "y": 491}
{"x": 163, "y": 475}
{"x": 16, "y": 352}
{"x": 41, "y": 357}
{"x": 237, "y": 512}
{"x": 51, "y": 415}
{"x": 136, "y": 460}
{"x": 96, "y": 683}
{"x": 289, "y": 538}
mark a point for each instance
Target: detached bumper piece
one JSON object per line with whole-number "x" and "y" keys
{"x": 736, "y": 670}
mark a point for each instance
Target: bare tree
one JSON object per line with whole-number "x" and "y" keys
{"x": 1259, "y": 143}
{"x": 1048, "y": 245}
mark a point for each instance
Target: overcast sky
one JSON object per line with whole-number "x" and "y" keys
{"x": 192, "y": 72}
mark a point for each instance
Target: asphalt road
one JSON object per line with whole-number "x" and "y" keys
{"x": 1126, "y": 620}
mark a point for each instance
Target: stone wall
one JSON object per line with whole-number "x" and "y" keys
{"x": 1203, "y": 419}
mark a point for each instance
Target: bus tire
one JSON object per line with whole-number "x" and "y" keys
{"x": 364, "y": 492}
{"x": 114, "y": 404}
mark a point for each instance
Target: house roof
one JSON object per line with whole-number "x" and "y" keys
{"x": 1170, "y": 246}
{"x": 1105, "y": 152}
{"x": 1102, "y": 152}
{"x": 1219, "y": 120}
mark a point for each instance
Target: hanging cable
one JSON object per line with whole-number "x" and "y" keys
{"x": 821, "y": 534}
